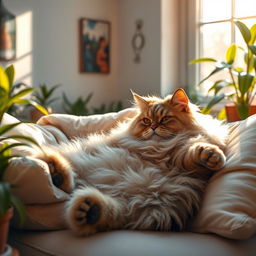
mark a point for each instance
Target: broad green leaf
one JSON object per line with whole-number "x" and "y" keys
{"x": 218, "y": 85}
{"x": 22, "y": 93}
{"x": 252, "y": 48}
{"x": 4, "y": 81}
{"x": 40, "y": 108}
{"x": 231, "y": 54}
{"x": 216, "y": 99}
{"x": 7, "y": 127}
{"x": 244, "y": 82}
{"x": 19, "y": 206}
{"x": 222, "y": 114}
{"x": 253, "y": 34}
{"x": 243, "y": 111}
{"x": 10, "y": 72}
{"x": 202, "y": 60}
{"x": 244, "y": 30}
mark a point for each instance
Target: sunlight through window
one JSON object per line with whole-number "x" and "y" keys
{"x": 218, "y": 31}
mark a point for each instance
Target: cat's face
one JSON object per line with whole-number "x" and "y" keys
{"x": 161, "y": 118}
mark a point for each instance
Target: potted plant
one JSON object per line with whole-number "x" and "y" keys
{"x": 241, "y": 82}
{"x": 43, "y": 95}
{"x": 79, "y": 107}
{"x": 7, "y": 200}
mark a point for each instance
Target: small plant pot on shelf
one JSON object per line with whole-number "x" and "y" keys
{"x": 232, "y": 114}
{"x": 4, "y": 228}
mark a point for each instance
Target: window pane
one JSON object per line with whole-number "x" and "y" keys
{"x": 244, "y": 8}
{"x": 212, "y": 10}
{"x": 215, "y": 39}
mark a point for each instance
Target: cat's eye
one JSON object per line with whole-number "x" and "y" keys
{"x": 165, "y": 119}
{"x": 146, "y": 121}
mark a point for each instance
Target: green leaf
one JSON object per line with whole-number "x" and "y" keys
{"x": 243, "y": 111}
{"x": 40, "y": 108}
{"x": 202, "y": 60}
{"x": 222, "y": 114}
{"x": 244, "y": 82}
{"x": 20, "y": 137}
{"x": 216, "y": 99}
{"x": 7, "y": 127}
{"x": 10, "y": 72}
{"x": 4, "y": 81}
{"x": 253, "y": 34}
{"x": 244, "y": 30}
{"x": 13, "y": 145}
{"x": 19, "y": 206}
{"x": 219, "y": 66}
{"x": 252, "y": 48}
{"x": 231, "y": 54}
{"x": 218, "y": 85}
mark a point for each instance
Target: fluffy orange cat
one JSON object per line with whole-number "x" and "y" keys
{"x": 148, "y": 173}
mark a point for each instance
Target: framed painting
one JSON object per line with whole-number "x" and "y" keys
{"x": 94, "y": 46}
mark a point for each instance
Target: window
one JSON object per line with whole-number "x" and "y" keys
{"x": 216, "y": 31}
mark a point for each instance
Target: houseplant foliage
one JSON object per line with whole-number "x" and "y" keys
{"x": 43, "y": 95}
{"x": 242, "y": 80}
{"x": 8, "y": 99}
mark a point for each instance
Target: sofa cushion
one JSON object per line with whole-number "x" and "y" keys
{"x": 229, "y": 205}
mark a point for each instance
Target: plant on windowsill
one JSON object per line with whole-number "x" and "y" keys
{"x": 241, "y": 85}
{"x": 7, "y": 200}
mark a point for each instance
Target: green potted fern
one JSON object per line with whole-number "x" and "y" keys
{"x": 240, "y": 87}
{"x": 7, "y": 200}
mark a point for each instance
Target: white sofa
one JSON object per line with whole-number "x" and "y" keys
{"x": 225, "y": 224}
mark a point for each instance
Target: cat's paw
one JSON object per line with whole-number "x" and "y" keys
{"x": 84, "y": 214}
{"x": 62, "y": 173}
{"x": 211, "y": 157}
{"x": 62, "y": 177}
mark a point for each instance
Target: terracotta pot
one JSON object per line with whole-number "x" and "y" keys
{"x": 4, "y": 228}
{"x": 232, "y": 114}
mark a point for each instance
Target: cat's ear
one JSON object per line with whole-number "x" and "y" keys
{"x": 140, "y": 101}
{"x": 180, "y": 100}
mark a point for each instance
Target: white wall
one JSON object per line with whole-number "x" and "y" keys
{"x": 170, "y": 46}
{"x": 53, "y": 55}
{"x": 143, "y": 77}
{"x": 48, "y": 46}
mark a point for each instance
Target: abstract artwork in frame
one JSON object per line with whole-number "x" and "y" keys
{"x": 94, "y": 46}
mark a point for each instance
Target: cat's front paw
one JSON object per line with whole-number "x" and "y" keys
{"x": 211, "y": 157}
{"x": 62, "y": 173}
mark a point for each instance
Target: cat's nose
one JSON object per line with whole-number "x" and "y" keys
{"x": 154, "y": 126}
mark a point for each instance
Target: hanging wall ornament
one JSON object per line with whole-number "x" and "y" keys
{"x": 138, "y": 41}
{"x": 7, "y": 34}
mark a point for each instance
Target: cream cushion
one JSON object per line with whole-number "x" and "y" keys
{"x": 229, "y": 205}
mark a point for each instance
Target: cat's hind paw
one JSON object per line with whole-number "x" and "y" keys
{"x": 85, "y": 212}
{"x": 212, "y": 157}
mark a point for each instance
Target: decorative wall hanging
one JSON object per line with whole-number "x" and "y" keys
{"x": 138, "y": 41}
{"x": 7, "y": 34}
{"x": 94, "y": 46}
